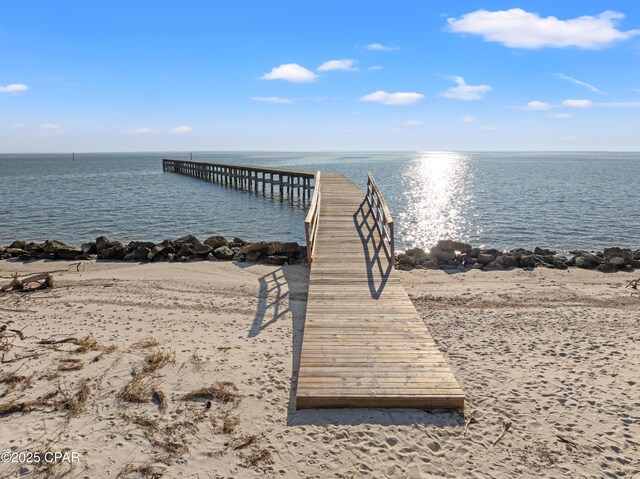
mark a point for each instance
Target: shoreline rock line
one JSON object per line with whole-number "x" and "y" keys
{"x": 454, "y": 255}
{"x": 445, "y": 255}
{"x": 187, "y": 248}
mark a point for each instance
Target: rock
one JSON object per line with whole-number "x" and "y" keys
{"x": 184, "y": 249}
{"x": 253, "y": 247}
{"x": 103, "y": 243}
{"x": 543, "y": 251}
{"x": 68, "y": 253}
{"x": 278, "y": 248}
{"x": 405, "y": 259}
{"x": 19, "y": 245}
{"x": 89, "y": 248}
{"x": 493, "y": 266}
{"x": 223, "y": 252}
{"x": 275, "y": 259}
{"x": 441, "y": 255}
{"x": 618, "y": 262}
{"x": 52, "y": 246}
{"x": 33, "y": 247}
{"x": 136, "y": 244}
{"x": 189, "y": 239}
{"x": 24, "y": 257}
{"x": 117, "y": 251}
{"x": 418, "y": 255}
{"x": 559, "y": 264}
{"x": 493, "y": 252}
{"x": 527, "y": 261}
{"x": 252, "y": 255}
{"x": 216, "y": 241}
{"x": 507, "y": 261}
{"x": 590, "y": 258}
{"x": 201, "y": 249}
{"x": 477, "y": 266}
{"x": 636, "y": 255}
{"x": 238, "y": 242}
{"x": 141, "y": 253}
{"x": 155, "y": 251}
{"x": 454, "y": 246}
{"x": 610, "y": 253}
{"x": 484, "y": 258}
{"x": 607, "y": 268}
{"x": 584, "y": 263}
{"x": 15, "y": 252}
{"x": 474, "y": 252}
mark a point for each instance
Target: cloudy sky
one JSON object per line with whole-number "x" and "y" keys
{"x": 331, "y": 75}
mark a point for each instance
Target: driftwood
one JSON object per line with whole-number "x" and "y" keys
{"x": 29, "y": 283}
{"x": 633, "y": 284}
{"x": 469, "y": 421}
{"x": 506, "y": 425}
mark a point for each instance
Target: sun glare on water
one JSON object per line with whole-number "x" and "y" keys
{"x": 437, "y": 194}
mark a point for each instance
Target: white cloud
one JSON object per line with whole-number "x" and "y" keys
{"x": 17, "y": 125}
{"x": 141, "y": 131}
{"x": 517, "y": 28}
{"x": 466, "y": 92}
{"x": 537, "y": 105}
{"x": 291, "y": 72}
{"x": 468, "y": 119}
{"x": 562, "y": 76}
{"x": 399, "y": 98}
{"x": 344, "y": 65}
{"x": 271, "y": 99}
{"x": 568, "y": 138}
{"x": 413, "y": 123}
{"x": 182, "y": 129}
{"x": 376, "y": 68}
{"x": 380, "y": 48}
{"x": 49, "y": 126}
{"x": 561, "y": 116}
{"x": 490, "y": 128}
{"x": 13, "y": 88}
{"x": 577, "y": 103}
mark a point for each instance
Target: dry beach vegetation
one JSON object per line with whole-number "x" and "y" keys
{"x": 187, "y": 370}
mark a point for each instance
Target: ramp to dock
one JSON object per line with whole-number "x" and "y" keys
{"x": 364, "y": 344}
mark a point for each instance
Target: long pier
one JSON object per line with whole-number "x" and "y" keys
{"x": 364, "y": 343}
{"x": 287, "y": 182}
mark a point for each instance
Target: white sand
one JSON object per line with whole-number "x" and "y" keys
{"x": 555, "y": 353}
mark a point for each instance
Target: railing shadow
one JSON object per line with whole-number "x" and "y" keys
{"x": 372, "y": 242}
{"x": 271, "y": 301}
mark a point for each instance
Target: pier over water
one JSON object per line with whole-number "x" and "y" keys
{"x": 364, "y": 344}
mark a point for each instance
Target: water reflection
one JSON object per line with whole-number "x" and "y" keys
{"x": 438, "y": 198}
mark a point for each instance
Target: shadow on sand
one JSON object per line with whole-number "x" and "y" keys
{"x": 285, "y": 291}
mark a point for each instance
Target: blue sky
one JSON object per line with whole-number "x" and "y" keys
{"x": 245, "y": 75}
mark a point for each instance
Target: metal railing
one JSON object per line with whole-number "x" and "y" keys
{"x": 381, "y": 216}
{"x": 312, "y": 219}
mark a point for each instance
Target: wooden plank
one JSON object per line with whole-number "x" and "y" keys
{"x": 364, "y": 344}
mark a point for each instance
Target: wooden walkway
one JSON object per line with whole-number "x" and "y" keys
{"x": 364, "y": 343}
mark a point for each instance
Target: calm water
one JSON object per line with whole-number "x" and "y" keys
{"x": 503, "y": 200}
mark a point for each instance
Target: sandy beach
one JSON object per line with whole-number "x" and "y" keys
{"x": 186, "y": 370}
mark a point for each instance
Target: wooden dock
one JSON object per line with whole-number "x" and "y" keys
{"x": 287, "y": 182}
{"x": 364, "y": 344}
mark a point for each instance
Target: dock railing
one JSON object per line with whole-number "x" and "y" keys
{"x": 312, "y": 219}
{"x": 381, "y": 216}
{"x": 287, "y": 182}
